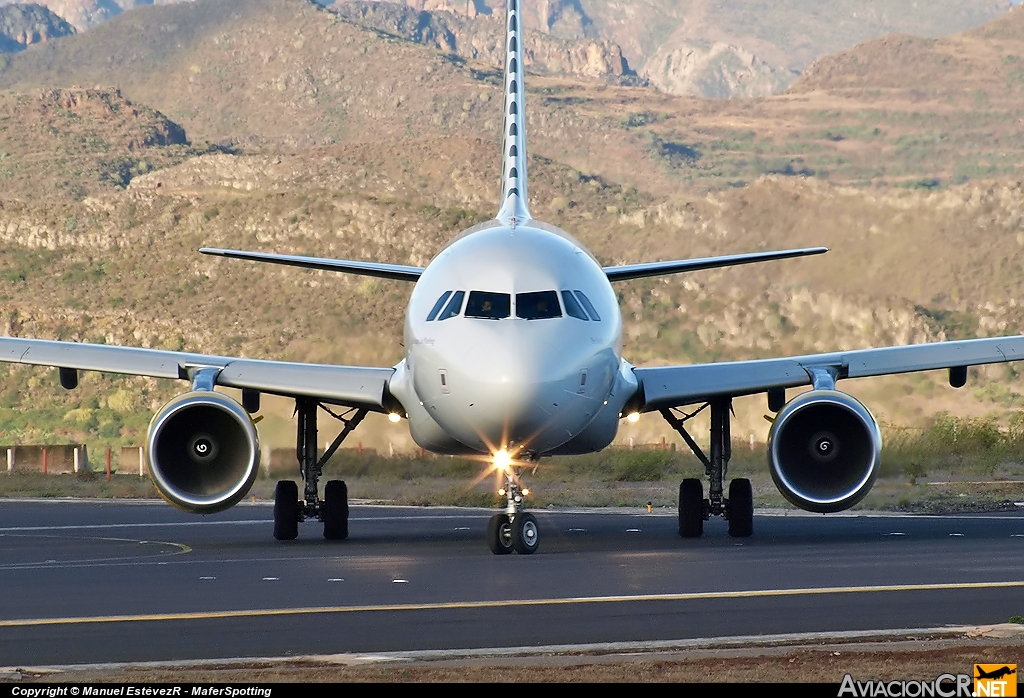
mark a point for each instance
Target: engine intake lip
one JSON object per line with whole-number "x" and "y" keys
{"x": 824, "y": 451}
{"x": 203, "y": 452}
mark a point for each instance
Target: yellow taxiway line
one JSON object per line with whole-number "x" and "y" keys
{"x": 458, "y": 605}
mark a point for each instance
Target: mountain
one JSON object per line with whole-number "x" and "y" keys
{"x": 71, "y": 142}
{"x": 719, "y": 70}
{"x": 781, "y": 37}
{"x": 310, "y": 134}
{"x": 725, "y": 48}
{"x": 988, "y": 59}
{"x": 85, "y": 14}
{"x": 24, "y": 25}
{"x": 481, "y": 38}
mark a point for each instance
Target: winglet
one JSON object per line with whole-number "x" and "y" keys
{"x": 514, "y": 207}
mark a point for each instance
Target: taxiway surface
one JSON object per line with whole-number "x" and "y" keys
{"x": 85, "y": 582}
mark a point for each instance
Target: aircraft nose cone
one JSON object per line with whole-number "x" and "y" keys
{"x": 506, "y": 394}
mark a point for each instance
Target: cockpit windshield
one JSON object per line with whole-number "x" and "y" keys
{"x": 591, "y": 310}
{"x": 437, "y": 306}
{"x": 492, "y": 306}
{"x": 454, "y": 306}
{"x": 537, "y": 305}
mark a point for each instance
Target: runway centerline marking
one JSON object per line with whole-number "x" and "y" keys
{"x": 506, "y": 603}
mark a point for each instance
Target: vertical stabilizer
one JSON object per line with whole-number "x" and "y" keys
{"x": 514, "y": 208}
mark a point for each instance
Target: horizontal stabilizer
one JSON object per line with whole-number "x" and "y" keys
{"x": 399, "y": 272}
{"x": 638, "y": 271}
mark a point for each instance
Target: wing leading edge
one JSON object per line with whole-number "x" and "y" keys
{"x": 398, "y": 272}
{"x": 637, "y": 271}
{"x": 671, "y": 386}
{"x": 352, "y": 386}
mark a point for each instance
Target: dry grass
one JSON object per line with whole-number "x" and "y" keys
{"x": 782, "y": 665}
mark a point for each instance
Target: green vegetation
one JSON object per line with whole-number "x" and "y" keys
{"x": 955, "y": 446}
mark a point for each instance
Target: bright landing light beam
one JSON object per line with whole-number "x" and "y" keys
{"x": 502, "y": 460}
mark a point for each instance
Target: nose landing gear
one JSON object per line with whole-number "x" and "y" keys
{"x": 515, "y": 529}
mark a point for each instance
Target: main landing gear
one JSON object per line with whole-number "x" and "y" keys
{"x": 515, "y": 529}
{"x": 694, "y": 509}
{"x": 289, "y": 510}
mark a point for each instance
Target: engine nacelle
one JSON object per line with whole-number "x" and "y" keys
{"x": 204, "y": 453}
{"x": 824, "y": 451}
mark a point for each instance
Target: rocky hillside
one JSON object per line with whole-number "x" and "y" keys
{"x": 85, "y": 14}
{"x": 660, "y": 38}
{"x": 783, "y": 37}
{"x": 481, "y": 38}
{"x": 719, "y": 70}
{"x": 24, "y": 25}
{"x": 986, "y": 60}
{"x": 68, "y": 143}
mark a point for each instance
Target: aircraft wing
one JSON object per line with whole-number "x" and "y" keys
{"x": 670, "y": 386}
{"x": 352, "y": 386}
{"x": 398, "y": 272}
{"x": 644, "y": 269}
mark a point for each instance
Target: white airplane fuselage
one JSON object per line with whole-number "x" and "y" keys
{"x": 541, "y": 375}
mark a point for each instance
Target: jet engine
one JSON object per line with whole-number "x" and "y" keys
{"x": 824, "y": 451}
{"x": 204, "y": 452}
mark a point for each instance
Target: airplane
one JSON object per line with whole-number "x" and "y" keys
{"x": 995, "y": 673}
{"x": 513, "y": 341}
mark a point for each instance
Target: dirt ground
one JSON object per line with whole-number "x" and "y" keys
{"x": 906, "y": 658}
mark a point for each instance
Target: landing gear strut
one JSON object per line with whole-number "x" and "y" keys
{"x": 694, "y": 509}
{"x": 515, "y": 529}
{"x": 289, "y": 510}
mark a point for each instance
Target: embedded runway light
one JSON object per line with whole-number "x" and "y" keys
{"x": 394, "y": 417}
{"x": 633, "y": 417}
{"x": 502, "y": 460}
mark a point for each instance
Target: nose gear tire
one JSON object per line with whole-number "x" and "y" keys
{"x": 499, "y": 534}
{"x": 525, "y": 534}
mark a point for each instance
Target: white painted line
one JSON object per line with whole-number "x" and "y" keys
{"x": 956, "y": 535}
{"x": 206, "y": 578}
{"x": 897, "y": 533}
{"x": 271, "y": 579}
{"x": 94, "y": 527}
{"x": 399, "y": 581}
{"x": 632, "y": 530}
{"x": 336, "y": 579}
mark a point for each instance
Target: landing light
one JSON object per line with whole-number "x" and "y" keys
{"x": 633, "y": 417}
{"x": 502, "y": 460}
{"x": 394, "y": 417}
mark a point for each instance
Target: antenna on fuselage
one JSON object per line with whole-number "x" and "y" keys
{"x": 514, "y": 208}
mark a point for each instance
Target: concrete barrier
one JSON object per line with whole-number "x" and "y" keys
{"x": 52, "y": 459}
{"x": 131, "y": 460}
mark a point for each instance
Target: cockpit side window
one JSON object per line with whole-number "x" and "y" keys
{"x": 537, "y": 305}
{"x": 591, "y": 310}
{"x": 573, "y": 307}
{"x": 492, "y": 306}
{"x": 454, "y": 306}
{"x": 437, "y": 306}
